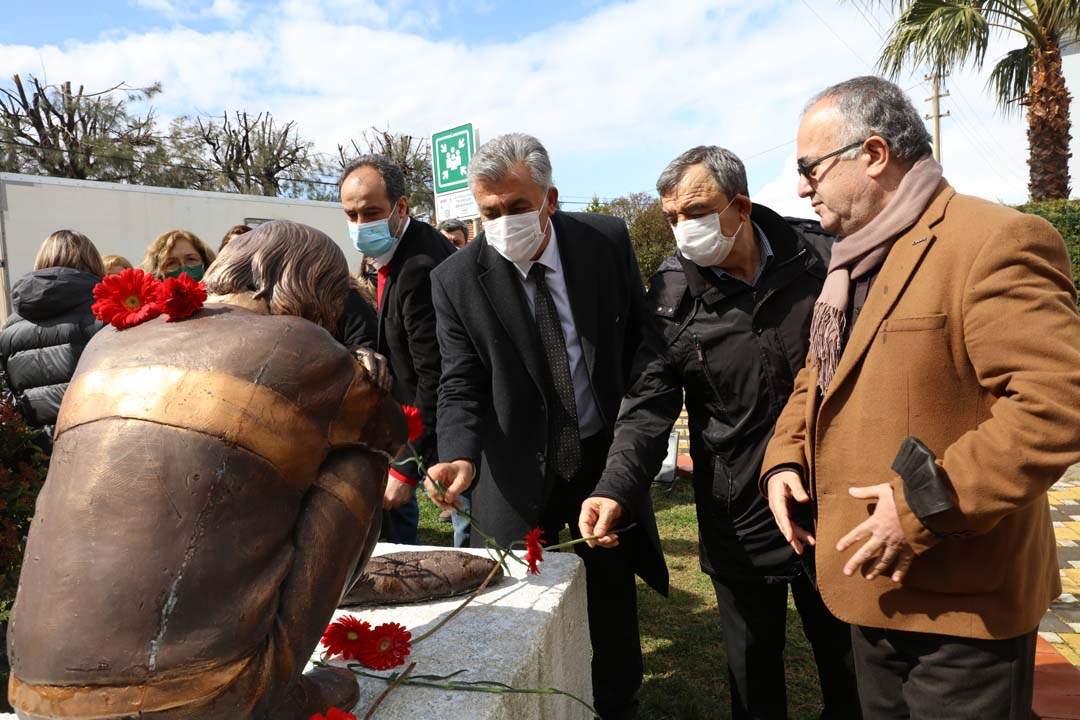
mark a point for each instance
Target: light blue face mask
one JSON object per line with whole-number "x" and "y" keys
{"x": 374, "y": 238}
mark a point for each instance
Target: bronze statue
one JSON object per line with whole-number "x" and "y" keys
{"x": 419, "y": 576}
{"x": 214, "y": 488}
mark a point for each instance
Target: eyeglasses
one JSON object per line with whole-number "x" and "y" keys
{"x": 806, "y": 169}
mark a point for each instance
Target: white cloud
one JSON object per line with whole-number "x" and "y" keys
{"x": 231, "y": 11}
{"x": 779, "y": 193}
{"x": 614, "y": 96}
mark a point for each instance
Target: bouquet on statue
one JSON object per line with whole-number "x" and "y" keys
{"x": 132, "y": 296}
{"x": 389, "y": 645}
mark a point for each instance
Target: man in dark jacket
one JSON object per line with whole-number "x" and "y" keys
{"x": 404, "y": 251}
{"x": 540, "y": 319}
{"x": 41, "y": 342}
{"x": 736, "y": 314}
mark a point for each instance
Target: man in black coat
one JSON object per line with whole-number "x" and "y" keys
{"x": 539, "y": 322}
{"x": 404, "y": 251}
{"x": 735, "y": 309}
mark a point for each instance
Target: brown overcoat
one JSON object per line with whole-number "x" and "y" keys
{"x": 970, "y": 341}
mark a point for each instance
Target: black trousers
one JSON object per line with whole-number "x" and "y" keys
{"x": 920, "y": 675}
{"x": 754, "y": 617}
{"x": 617, "y": 667}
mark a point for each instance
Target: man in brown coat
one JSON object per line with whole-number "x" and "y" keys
{"x": 941, "y": 401}
{"x": 200, "y": 519}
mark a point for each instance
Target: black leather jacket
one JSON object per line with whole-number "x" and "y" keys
{"x": 735, "y": 350}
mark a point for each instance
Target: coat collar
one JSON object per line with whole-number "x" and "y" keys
{"x": 893, "y": 277}
{"x": 402, "y": 252}
{"x": 502, "y": 284}
{"x": 785, "y": 242}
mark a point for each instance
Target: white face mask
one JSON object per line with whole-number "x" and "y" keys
{"x": 516, "y": 237}
{"x": 701, "y": 241}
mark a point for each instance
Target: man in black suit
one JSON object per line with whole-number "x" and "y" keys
{"x": 404, "y": 251}
{"x": 539, "y": 321}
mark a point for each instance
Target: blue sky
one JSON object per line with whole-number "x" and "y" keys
{"x": 57, "y": 21}
{"x": 614, "y": 89}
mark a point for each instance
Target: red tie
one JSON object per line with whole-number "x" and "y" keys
{"x": 384, "y": 272}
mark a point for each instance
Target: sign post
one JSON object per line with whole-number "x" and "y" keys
{"x": 451, "y": 152}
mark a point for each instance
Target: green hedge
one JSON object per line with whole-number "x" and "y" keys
{"x": 1065, "y": 216}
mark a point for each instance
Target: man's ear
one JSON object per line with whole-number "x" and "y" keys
{"x": 745, "y": 205}
{"x": 879, "y": 155}
{"x": 552, "y": 199}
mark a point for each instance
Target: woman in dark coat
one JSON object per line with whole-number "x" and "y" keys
{"x": 41, "y": 342}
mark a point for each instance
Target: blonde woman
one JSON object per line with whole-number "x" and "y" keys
{"x": 115, "y": 264}
{"x": 41, "y": 342}
{"x": 175, "y": 252}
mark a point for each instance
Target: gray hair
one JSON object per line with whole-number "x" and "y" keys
{"x": 871, "y": 105}
{"x": 726, "y": 168}
{"x": 389, "y": 170}
{"x": 497, "y": 157}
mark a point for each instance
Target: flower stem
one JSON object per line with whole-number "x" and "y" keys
{"x": 469, "y": 599}
{"x": 571, "y": 543}
{"x": 396, "y": 682}
{"x": 442, "y": 682}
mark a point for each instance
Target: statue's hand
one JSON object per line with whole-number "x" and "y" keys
{"x": 377, "y": 366}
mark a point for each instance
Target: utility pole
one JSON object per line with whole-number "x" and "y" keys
{"x": 935, "y": 109}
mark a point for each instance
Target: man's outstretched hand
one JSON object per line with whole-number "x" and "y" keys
{"x": 453, "y": 478}
{"x": 598, "y": 517}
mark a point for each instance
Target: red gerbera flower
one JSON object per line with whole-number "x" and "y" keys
{"x": 333, "y": 714}
{"x": 126, "y": 298}
{"x": 534, "y": 550}
{"x": 180, "y": 297}
{"x": 346, "y": 637}
{"x": 385, "y": 647}
{"x": 414, "y": 420}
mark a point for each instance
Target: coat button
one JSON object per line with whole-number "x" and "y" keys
{"x": 540, "y": 458}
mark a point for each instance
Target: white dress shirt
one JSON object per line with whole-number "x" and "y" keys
{"x": 589, "y": 422}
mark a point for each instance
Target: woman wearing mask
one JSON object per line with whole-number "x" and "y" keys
{"x": 175, "y": 252}
{"x": 41, "y": 342}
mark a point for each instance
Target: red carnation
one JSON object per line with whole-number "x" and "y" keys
{"x": 126, "y": 299}
{"x": 333, "y": 714}
{"x": 180, "y": 297}
{"x": 415, "y": 421}
{"x": 385, "y": 647}
{"x": 534, "y": 551}
{"x": 346, "y": 637}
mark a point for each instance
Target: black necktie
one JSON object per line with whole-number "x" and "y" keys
{"x": 564, "y": 443}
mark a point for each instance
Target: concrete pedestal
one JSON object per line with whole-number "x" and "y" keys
{"x": 528, "y": 631}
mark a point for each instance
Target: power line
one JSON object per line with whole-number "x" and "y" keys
{"x": 976, "y": 117}
{"x": 835, "y": 34}
{"x": 987, "y": 155}
{"x": 873, "y": 25}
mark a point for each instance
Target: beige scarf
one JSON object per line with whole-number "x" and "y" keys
{"x": 859, "y": 254}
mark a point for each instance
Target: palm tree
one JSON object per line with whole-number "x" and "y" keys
{"x": 943, "y": 34}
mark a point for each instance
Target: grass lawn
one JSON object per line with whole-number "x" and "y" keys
{"x": 685, "y": 669}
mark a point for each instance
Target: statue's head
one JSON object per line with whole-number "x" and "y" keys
{"x": 293, "y": 268}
